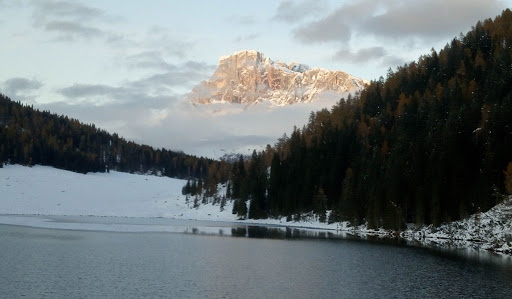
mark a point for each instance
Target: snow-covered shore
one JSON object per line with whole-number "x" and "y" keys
{"x": 41, "y": 190}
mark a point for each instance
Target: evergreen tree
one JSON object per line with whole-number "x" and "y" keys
{"x": 431, "y": 143}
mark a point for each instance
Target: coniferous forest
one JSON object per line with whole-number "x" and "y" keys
{"x": 29, "y": 137}
{"x": 430, "y": 143}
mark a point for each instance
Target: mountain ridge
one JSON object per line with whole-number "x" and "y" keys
{"x": 248, "y": 77}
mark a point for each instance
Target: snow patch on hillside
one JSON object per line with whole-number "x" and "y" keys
{"x": 491, "y": 230}
{"x": 41, "y": 190}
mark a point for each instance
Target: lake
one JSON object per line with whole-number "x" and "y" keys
{"x": 96, "y": 257}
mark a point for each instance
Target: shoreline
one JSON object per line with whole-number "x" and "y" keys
{"x": 46, "y": 191}
{"x": 408, "y": 237}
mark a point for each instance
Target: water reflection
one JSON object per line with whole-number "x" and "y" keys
{"x": 67, "y": 224}
{"x": 239, "y": 231}
{"x": 267, "y": 232}
{"x": 292, "y": 233}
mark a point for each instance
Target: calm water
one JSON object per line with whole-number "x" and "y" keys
{"x": 220, "y": 261}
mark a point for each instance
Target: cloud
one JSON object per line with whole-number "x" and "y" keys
{"x": 174, "y": 77}
{"x": 326, "y": 30}
{"x": 72, "y": 29}
{"x": 367, "y": 55}
{"x": 88, "y": 90}
{"x": 433, "y": 18}
{"x": 65, "y": 9}
{"x": 337, "y": 26}
{"x": 157, "y": 87}
{"x": 16, "y": 85}
{"x": 248, "y": 37}
{"x": 154, "y": 60}
{"x": 69, "y": 20}
{"x": 21, "y": 88}
{"x": 104, "y": 95}
{"x": 295, "y": 11}
{"x": 362, "y": 55}
{"x": 165, "y": 41}
{"x": 170, "y": 121}
{"x": 149, "y": 60}
{"x": 397, "y": 19}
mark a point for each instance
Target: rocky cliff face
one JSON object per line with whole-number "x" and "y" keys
{"x": 247, "y": 77}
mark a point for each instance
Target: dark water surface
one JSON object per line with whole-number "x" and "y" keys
{"x": 57, "y": 263}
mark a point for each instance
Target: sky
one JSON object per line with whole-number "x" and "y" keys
{"x": 127, "y": 65}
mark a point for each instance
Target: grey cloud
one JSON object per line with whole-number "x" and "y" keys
{"x": 69, "y": 20}
{"x": 149, "y": 60}
{"x": 246, "y": 37}
{"x": 329, "y": 29}
{"x": 166, "y": 80}
{"x": 87, "y": 90}
{"x": 72, "y": 30}
{"x": 433, "y": 18}
{"x": 66, "y": 9}
{"x": 107, "y": 96}
{"x": 338, "y": 25}
{"x": 368, "y": 55}
{"x": 393, "y": 61}
{"x": 398, "y": 19}
{"x": 154, "y": 88}
{"x": 15, "y": 85}
{"x": 362, "y": 55}
{"x": 294, "y": 11}
{"x": 21, "y": 88}
{"x": 155, "y": 60}
{"x": 180, "y": 78}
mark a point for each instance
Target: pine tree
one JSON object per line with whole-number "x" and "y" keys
{"x": 508, "y": 178}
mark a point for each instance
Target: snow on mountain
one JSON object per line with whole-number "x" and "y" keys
{"x": 248, "y": 77}
{"x": 299, "y": 67}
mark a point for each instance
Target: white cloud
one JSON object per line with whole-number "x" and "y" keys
{"x": 207, "y": 130}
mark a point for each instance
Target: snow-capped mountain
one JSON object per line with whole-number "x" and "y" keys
{"x": 249, "y": 77}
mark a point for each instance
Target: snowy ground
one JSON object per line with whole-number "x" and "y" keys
{"x": 41, "y": 190}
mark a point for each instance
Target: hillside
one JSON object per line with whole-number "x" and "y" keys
{"x": 431, "y": 143}
{"x": 29, "y": 136}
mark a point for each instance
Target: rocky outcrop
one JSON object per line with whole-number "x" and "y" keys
{"x": 247, "y": 77}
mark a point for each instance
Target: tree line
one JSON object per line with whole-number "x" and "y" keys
{"x": 431, "y": 143}
{"x": 29, "y": 136}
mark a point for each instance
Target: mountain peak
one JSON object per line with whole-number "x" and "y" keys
{"x": 249, "y": 77}
{"x": 244, "y": 54}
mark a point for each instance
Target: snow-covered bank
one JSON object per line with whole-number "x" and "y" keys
{"x": 41, "y": 190}
{"x": 491, "y": 230}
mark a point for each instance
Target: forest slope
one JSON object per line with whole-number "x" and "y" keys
{"x": 29, "y": 136}
{"x": 431, "y": 143}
